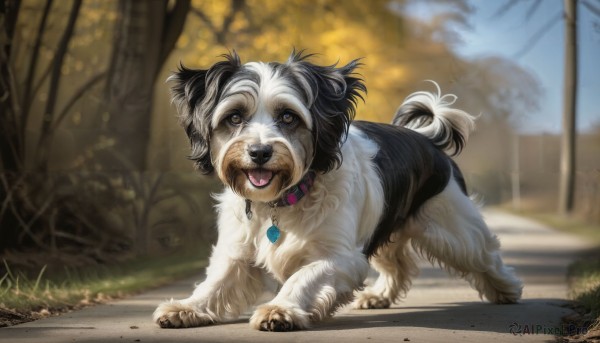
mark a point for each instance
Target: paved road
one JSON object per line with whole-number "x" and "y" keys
{"x": 437, "y": 309}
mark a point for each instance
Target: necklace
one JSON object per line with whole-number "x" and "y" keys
{"x": 290, "y": 198}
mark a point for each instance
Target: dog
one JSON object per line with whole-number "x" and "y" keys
{"x": 313, "y": 198}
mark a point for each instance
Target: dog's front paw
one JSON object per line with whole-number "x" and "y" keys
{"x": 277, "y": 318}
{"x": 366, "y": 300}
{"x": 174, "y": 314}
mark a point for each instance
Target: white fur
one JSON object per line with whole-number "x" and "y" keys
{"x": 273, "y": 90}
{"x": 451, "y": 231}
{"x": 448, "y": 231}
{"x": 319, "y": 260}
{"x": 445, "y": 115}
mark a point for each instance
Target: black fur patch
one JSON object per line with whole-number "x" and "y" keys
{"x": 412, "y": 170}
{"x": 196, "y": 93}
{"x": 332, "y": 97}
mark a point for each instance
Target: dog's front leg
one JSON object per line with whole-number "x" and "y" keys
{"x": 232, "y": 284}
{"x": 314, "y": 292}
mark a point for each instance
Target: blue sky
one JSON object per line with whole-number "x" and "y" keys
{"x": 509, "y": 34}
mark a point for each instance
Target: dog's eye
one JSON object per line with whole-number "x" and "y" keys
{"x": 235, "y": 119}
{"x": 288, "y": 118}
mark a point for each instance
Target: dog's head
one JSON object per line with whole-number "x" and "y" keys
{"x": 262, "y": 126}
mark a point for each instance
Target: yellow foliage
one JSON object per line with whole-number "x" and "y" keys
{"x": 397, "y": 52}
{"x": 183, "y": 41}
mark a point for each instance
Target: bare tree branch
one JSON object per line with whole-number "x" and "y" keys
{"x": 505, "y": 8}
{"x": 536, "y": 4}
{"x": 10, "y": 150}
{"x": 11, "y": 13}
{"x": 535, "y": 38}
{"x": 26, "y": 226}
{"x": 221, "y": 34}
{"x": 33, "y": 62}
{"x": 595, "y": 10}
{"x": 9, "y": 190}
{"x": 205, "y": 19}
{"x": 9, "y": 113}
{"x": 43, "y": 143}
{"x": 236, "y": 6}
{"x": 76, "y": 96}
{"x": 174, "y": 23}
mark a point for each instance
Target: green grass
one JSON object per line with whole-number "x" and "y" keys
{"x": 585, "y": 284}
{"x": 73, "y": 287}
{"x": 584, "y": 274}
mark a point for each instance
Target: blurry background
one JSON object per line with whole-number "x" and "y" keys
{"x": 93, "y": 162}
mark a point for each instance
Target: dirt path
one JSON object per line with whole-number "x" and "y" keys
{"x": 437, "y": 309}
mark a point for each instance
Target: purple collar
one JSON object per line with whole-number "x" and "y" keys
{"x": 291, "y": 196}
{"x": 294, "y": 194}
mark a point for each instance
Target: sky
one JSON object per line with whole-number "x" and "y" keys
{"x": 513, "y": 35}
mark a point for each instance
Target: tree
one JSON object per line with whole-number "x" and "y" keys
{"x": 45, "y": 140}
{"x": 568, "y": 148}
{"x": 40, "y": 209}
{"x": 10, "y": 147}
{"x": 145, "y": 35}
{"x": 83, "y": 206}
{"x": 569, "y": 115}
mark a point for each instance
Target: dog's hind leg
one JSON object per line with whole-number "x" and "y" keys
{"x": 396, "y": 267}
{"x": 449, "y": 229}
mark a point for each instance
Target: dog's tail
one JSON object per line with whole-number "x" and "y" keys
{"x": 430, "y": 114}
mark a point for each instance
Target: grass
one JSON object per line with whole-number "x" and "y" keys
{"x": 71, "y": 288}
{"x": 585, "y": 284}
{"x": 584, "y": 274}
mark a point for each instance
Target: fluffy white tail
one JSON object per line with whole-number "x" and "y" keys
{"x": 430, "y": 114}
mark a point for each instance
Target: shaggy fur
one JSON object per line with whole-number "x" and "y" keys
{"x": 378, "y": 189}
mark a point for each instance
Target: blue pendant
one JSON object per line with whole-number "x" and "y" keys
{"x": 273, "y": 234}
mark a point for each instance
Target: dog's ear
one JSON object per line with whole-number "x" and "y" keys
{"x": 196, "y": 93}
{"x": 332, "y": 94}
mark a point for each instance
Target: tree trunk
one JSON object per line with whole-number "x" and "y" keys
{"x": 45, "y": 141}
{"x": 145, "y": 35}
{"x": 10, "y": 150}
{"x": 568, "y": 149}
{"x": 26, "y": 97}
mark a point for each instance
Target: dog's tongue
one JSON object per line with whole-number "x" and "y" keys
{"x": 260, "y": 177}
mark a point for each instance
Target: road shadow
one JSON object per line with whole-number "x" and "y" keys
{"x": 133, "y": 324}
{"x": 464, "y": 316}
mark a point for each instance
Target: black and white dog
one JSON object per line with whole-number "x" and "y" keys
{"x": 312, "y": 197}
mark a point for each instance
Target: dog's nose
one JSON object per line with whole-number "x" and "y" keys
{"x": 260, "y": 153}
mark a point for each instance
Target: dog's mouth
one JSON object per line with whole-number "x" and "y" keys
{"x": 259, "y": 177}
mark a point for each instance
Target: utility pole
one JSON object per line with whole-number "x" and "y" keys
{"x": 516, "y": 173}
{"x": 567, "y": 162}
